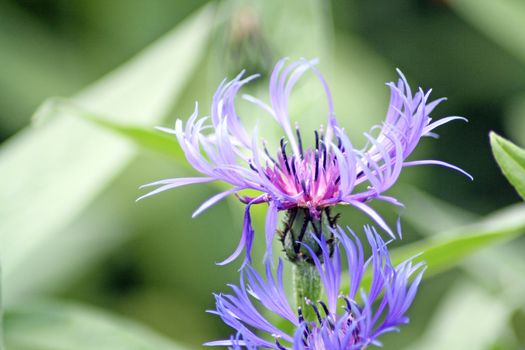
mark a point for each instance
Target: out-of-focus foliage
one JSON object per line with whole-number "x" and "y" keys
{"x": 63, "y": 326}
{"x": 445, "y": 250}
{"x": 69, "y": 225}
{"x": 80, "y": 161}
{"x": 502, "y": 21}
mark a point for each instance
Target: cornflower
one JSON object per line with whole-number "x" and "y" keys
{"x": 303, "y": 182}
{"x": 366, "y": 313}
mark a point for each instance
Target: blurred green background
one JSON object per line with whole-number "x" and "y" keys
{"x": 76, "y": 248}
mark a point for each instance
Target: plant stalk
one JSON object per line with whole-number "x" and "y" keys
{"x": 307, "y": 287}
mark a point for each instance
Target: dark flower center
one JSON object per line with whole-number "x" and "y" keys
{"x": 311, "y": 177}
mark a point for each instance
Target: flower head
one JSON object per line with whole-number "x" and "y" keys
{"x": 346, "y": 320}
{"x": 313, "y": 178}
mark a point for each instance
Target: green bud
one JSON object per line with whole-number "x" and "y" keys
{"x": 299, "y": 229}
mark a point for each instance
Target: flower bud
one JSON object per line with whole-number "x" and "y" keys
{"x": 301, "y": 227}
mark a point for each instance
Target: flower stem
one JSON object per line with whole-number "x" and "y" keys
{"x": 307, "y": 287}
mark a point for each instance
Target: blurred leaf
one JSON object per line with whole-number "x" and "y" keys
{"x": 500, "y": 270}
{"x": 56, "y": 170}
{"x": 444, "y": 251}
{"x": 449, "y": 248}
{"x": 518, "y": 325}
{"x": 469, "y": 318}
{"x": 430, "y": 215}
{"x": 62, "y": 326}
{"x": 145, "y": 137}
{"x": 515, "y": 119}
{"x": 511, "y": 160}
{"x": 500, "y": 20}
{"x": 34, "y": 63}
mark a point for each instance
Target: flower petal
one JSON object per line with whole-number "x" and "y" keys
{"x": 438, "y": 162}
{"x": 172, "y": 183}
{"x": 213, "y": 200}
{"x": 270, "y": 227}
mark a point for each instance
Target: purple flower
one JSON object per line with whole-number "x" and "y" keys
{"x": 314, "y": 178}
{"x": 352, "y": 320}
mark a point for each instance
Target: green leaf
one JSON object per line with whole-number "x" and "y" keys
{"x": 449, "y": 248}
{"x": 144, "y": 136}
{"x": 61, "y": 326}
{"x": 500, "y": 20}
{"x": 147, "y": 138}
{"x": 56, "y": 170}
{"x": 446, "y": 250}
{"x": 511, "y": 160}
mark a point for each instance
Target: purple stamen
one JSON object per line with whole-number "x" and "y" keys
{"x": 299, "y": 141}
{"x": 283, "y": 153}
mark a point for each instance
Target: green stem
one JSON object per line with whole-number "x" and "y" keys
{"x": 307, "y": 286}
